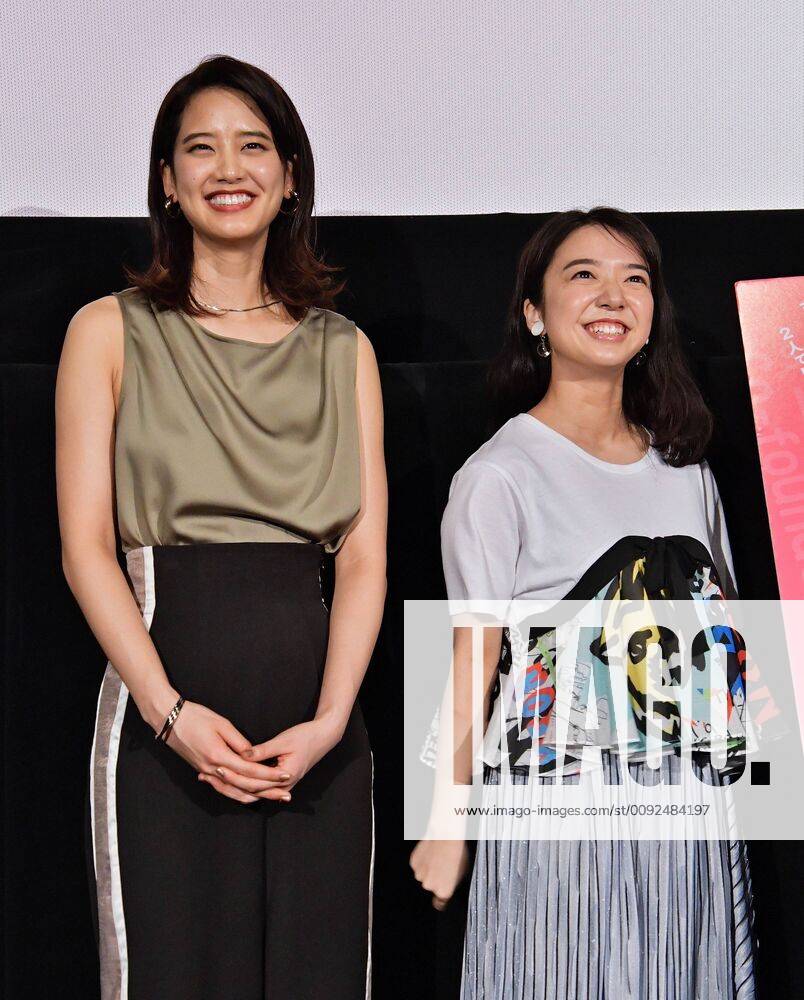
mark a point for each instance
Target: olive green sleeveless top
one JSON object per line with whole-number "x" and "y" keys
{"x": 227, "y": 440}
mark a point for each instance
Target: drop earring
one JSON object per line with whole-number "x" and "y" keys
{"x": 641, "y": 355}
{"x": 296, "y": 203}
{"x": 542, "y": 348}
{"x": 170, "y": 203}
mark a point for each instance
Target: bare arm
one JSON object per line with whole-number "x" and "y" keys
{"x": 360, "y": 564}
{"x": 462, "y": 710}
{"x": 89, "y": 371}
{"x": 85, "y": 412}
{"x": 440, "y": 864}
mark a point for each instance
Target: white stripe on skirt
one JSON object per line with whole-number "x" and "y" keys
{"x": 371, "y": 886}
{"x": 112, "y": 703}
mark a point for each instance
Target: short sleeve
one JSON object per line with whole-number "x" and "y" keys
{"x": 720, "y": 546}
{"x": 480, "y": 535}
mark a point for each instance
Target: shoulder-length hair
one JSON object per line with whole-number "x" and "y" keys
{"x": 659, "y": 395}
{"x": 291, "y": 269}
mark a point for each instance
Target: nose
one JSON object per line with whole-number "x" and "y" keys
{"x": 611, "y": 294}
{"x": 228, "y": 164}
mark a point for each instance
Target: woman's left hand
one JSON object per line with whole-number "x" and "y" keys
{"x": 296, "y": 749}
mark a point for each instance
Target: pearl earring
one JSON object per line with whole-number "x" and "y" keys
{"x": 537, "y": 328}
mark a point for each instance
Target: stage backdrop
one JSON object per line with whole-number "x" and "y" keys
{"x": 426, "y": 107}
{"x": 431, "y": 294}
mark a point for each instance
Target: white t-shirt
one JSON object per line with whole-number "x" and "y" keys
{"x": 530, "y": 511}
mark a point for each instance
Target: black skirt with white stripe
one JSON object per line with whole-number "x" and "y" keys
{"x": 199, "y": 895}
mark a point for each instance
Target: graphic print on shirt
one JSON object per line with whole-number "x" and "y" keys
{"x": 634, "y": 569}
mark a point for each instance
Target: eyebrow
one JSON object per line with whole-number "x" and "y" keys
{"x": 588, "y": 260}
{"x": 198, "y": 135}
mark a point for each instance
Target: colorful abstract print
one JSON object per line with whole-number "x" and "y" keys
{"x": 673, "y": 567}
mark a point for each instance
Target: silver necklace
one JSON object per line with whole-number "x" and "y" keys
{"x": 220, "y": 311}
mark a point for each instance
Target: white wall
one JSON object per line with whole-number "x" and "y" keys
{"x": 417, "y": 107}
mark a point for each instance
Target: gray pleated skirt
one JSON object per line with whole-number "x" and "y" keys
{"x": 610, "y": 920}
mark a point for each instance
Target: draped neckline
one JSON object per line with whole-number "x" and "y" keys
{"x": 248, "y": 343}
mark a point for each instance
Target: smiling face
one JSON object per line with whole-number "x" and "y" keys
{"x": 227, "y": 174}
{"x": 598, "y": 304}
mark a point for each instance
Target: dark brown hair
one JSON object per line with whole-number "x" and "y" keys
{"x": 660, "y": 394}
{"x": 291, "y": 269}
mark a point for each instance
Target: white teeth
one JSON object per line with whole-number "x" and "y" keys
{"x": 607, "y": 329}
{"x": 231, "y": 199}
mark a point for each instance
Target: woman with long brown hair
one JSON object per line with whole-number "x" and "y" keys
{"x": 593, "y": 486}
{"x": 226, "y": 422}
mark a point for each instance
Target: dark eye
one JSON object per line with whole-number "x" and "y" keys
{"x": 582, "y": 272}
{"x": 639, "y": 277}
{"x": 198, "y": 145}
{"x": 259, "y": 145}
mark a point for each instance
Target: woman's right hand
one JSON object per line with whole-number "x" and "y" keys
{"x": 208, "y": 741}
{"x": 440, "y": 866}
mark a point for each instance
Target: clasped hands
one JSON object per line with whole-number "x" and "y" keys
{"x": 227, "y": 761}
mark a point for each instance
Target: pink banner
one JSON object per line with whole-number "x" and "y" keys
{"x": 772, "y": 321}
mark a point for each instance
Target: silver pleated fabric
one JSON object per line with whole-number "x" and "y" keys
{"x": 610, "y": 920}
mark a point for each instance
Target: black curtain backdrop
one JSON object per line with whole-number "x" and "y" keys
{"x": 431, "y": 293}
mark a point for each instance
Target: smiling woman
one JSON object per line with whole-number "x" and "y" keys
{"x": 609, "y": 310}
{"x": 229, "y": 820}
{"x": 229, "y": 158}
{"x": 592, "y": 488}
